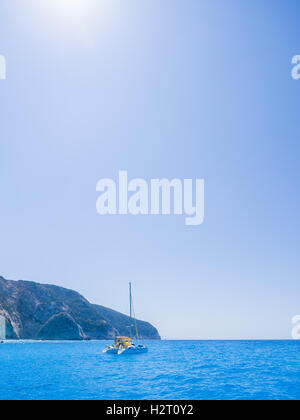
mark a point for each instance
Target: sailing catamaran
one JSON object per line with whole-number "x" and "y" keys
{"x": 125, "y": 345}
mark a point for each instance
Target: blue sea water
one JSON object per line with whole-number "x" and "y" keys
{"x": 171, "y": 370}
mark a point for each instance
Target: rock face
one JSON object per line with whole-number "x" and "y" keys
{"x": 45, "y": 312}
{"x": 61, "y": 327}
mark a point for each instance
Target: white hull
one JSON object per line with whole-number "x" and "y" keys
{"x": 129, "y": 350}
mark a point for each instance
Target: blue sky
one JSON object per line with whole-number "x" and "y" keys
{"x": 185, "y": 89}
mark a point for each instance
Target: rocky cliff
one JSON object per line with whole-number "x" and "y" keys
{"x": 45, "y": 312}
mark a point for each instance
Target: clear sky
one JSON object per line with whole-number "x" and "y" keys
{"x": 173, "y": 88}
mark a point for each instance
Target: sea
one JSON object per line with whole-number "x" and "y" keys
{"x": 171, "y": 370}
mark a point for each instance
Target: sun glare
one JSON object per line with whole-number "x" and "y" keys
{"x": 75, "y": 8}
{"x": 70, "y": 9}
{"x": 74, "y": 19}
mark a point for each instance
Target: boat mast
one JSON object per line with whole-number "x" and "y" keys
{"x": 130, "y": 298}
